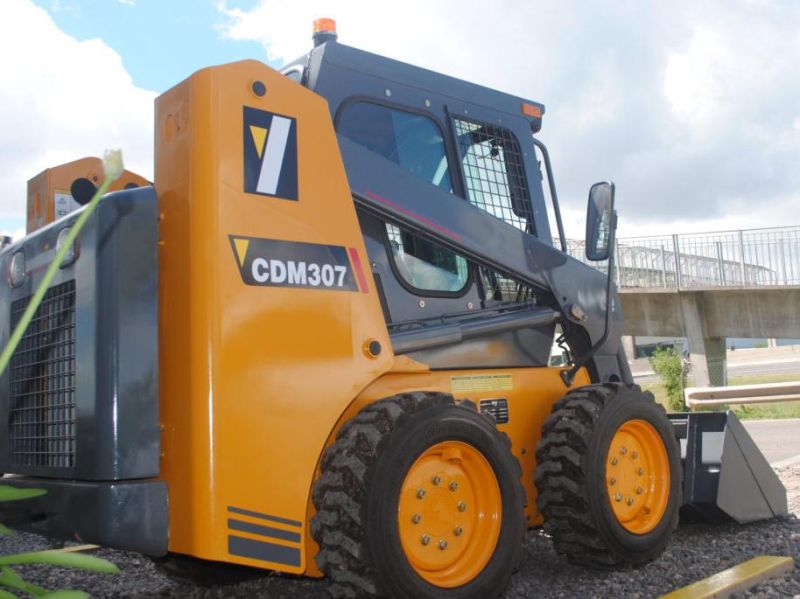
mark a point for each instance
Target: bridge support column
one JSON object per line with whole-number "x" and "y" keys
{"x": 629, "y": 345}
{"x": 716, "y": 361}
{"x": 707, "y": 354}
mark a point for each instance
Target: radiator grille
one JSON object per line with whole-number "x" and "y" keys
{"x": 42, "y": 414}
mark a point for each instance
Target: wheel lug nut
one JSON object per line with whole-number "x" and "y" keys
{"x": 618, "y": 497}
{"x": 613, "y": 481}
{"x": 425, "y": 539}
{"x": 614, "y": 461}
{"x": 420, "y": 493}
{"x": 639, "y": 490}
{"x": 640, "y": 472}
{"x": 623, "y": 450}
{"x": 442, "y": 544}
{"x": 630, "y": 500}
{"x": 436, "y": 480}
{"x": 458, "y": 530}
{"x": 416, "y": 518}
{"x": 635, "y": 455}
{"x": 462, "y": 506}
{"x": 453, "y": 486}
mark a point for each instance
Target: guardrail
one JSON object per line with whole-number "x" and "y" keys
{"x": 696, "y": 397}
{"x": 745, "y": 258}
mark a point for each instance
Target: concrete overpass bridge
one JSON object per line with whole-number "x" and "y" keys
{"x": 709, "y": 286}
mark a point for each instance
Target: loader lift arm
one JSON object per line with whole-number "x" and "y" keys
{"x": 491, "y": 242}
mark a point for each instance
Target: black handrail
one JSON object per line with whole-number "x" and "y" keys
{"x": 553, "y": 195}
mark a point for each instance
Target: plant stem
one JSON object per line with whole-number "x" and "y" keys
{"x": 44, "y": 285}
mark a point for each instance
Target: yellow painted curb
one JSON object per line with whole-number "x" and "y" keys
{"x": 739, "y": 578}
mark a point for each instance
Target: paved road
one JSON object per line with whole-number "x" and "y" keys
{"x": 758, "y": 368}
{"x": 778, "y": 439}
{"x": 744, "y": 369}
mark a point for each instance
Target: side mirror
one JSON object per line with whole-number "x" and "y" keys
{"x": 601, "y": 225}
{"x": 600, "y": 222}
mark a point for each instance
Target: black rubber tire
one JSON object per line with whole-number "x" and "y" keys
{"x": 571, "y": 477}
{"x": 357, "y": 497}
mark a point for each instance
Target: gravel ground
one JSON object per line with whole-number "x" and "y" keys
{"x": 697, "y": 551}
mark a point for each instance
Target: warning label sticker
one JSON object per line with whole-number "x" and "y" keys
{"x": 481, "y": 382}
{"x": 63, "y": 204}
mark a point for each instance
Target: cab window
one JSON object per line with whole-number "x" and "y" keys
{"x": 494, "y": 172}
{"x": 411, "y": 140}
{"x": 425, "y": 265}
{"x": 415, "y": 142}
{"x": 494, "y": 177}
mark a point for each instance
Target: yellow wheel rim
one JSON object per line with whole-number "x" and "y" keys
{"x": 449, "y": 514}
{"x": 637, "y": 476}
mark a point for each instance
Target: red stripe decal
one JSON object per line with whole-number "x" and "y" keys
{"x": 362, "y": 280}
{"x": 415, "y": 216}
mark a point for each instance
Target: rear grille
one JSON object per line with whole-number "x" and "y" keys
{"x": 42, "y": 414}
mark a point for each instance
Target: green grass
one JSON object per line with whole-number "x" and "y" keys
{"x": 787, "y": 409}
{"x": 657, "y": 389}
{"x": 756, "y": 379}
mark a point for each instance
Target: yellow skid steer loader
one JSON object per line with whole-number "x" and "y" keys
{"x": 319, "y": 344}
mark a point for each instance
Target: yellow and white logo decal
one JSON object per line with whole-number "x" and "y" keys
{"x": 280, "y": 263}
{"x": 270, "y": 154}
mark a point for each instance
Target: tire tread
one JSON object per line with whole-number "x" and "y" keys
{"x": 561, "y": 477}
{"x": 340, "y": 493}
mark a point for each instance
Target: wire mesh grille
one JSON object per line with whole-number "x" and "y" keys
{"x": 42, "y": 374}
{"x": 504, "y": 289}
{"x": 494, "y": 172}
{"x": 494, "y": 175}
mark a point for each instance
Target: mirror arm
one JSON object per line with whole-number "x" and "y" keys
{"x": 568, "y": 376}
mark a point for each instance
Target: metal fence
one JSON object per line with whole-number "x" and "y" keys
{"x": 746, "y": 258}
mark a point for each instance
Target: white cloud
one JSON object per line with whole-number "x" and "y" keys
{"x": 57, "y": 6}
{"x": 128, "y": 2}
{"x": 62, "y": 99}
{"x": 690, "y": 107}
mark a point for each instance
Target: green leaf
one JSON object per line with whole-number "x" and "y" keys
{"x": 16, "y": 494}
{"x": 4, "y": 530}
{"x": 61, "y": 558}
{"x": 9, "y": 576}
{"x": 5, "y": 595}
{"x": 11, "y": 579}
{"x": 67, "y": 595}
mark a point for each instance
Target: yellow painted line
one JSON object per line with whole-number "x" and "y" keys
{"x": 736, "y": 579}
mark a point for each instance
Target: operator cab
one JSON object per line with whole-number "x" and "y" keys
{"x": 467, "y": 140}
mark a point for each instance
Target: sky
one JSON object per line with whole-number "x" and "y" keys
{"x": 691, "y": 108}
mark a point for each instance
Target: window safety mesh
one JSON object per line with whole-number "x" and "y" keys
{"x": 494, "y": 174}
{"x": 42, "y": 371}
{"x": 494, "y": 171}
{"x": 501, "y": 288}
